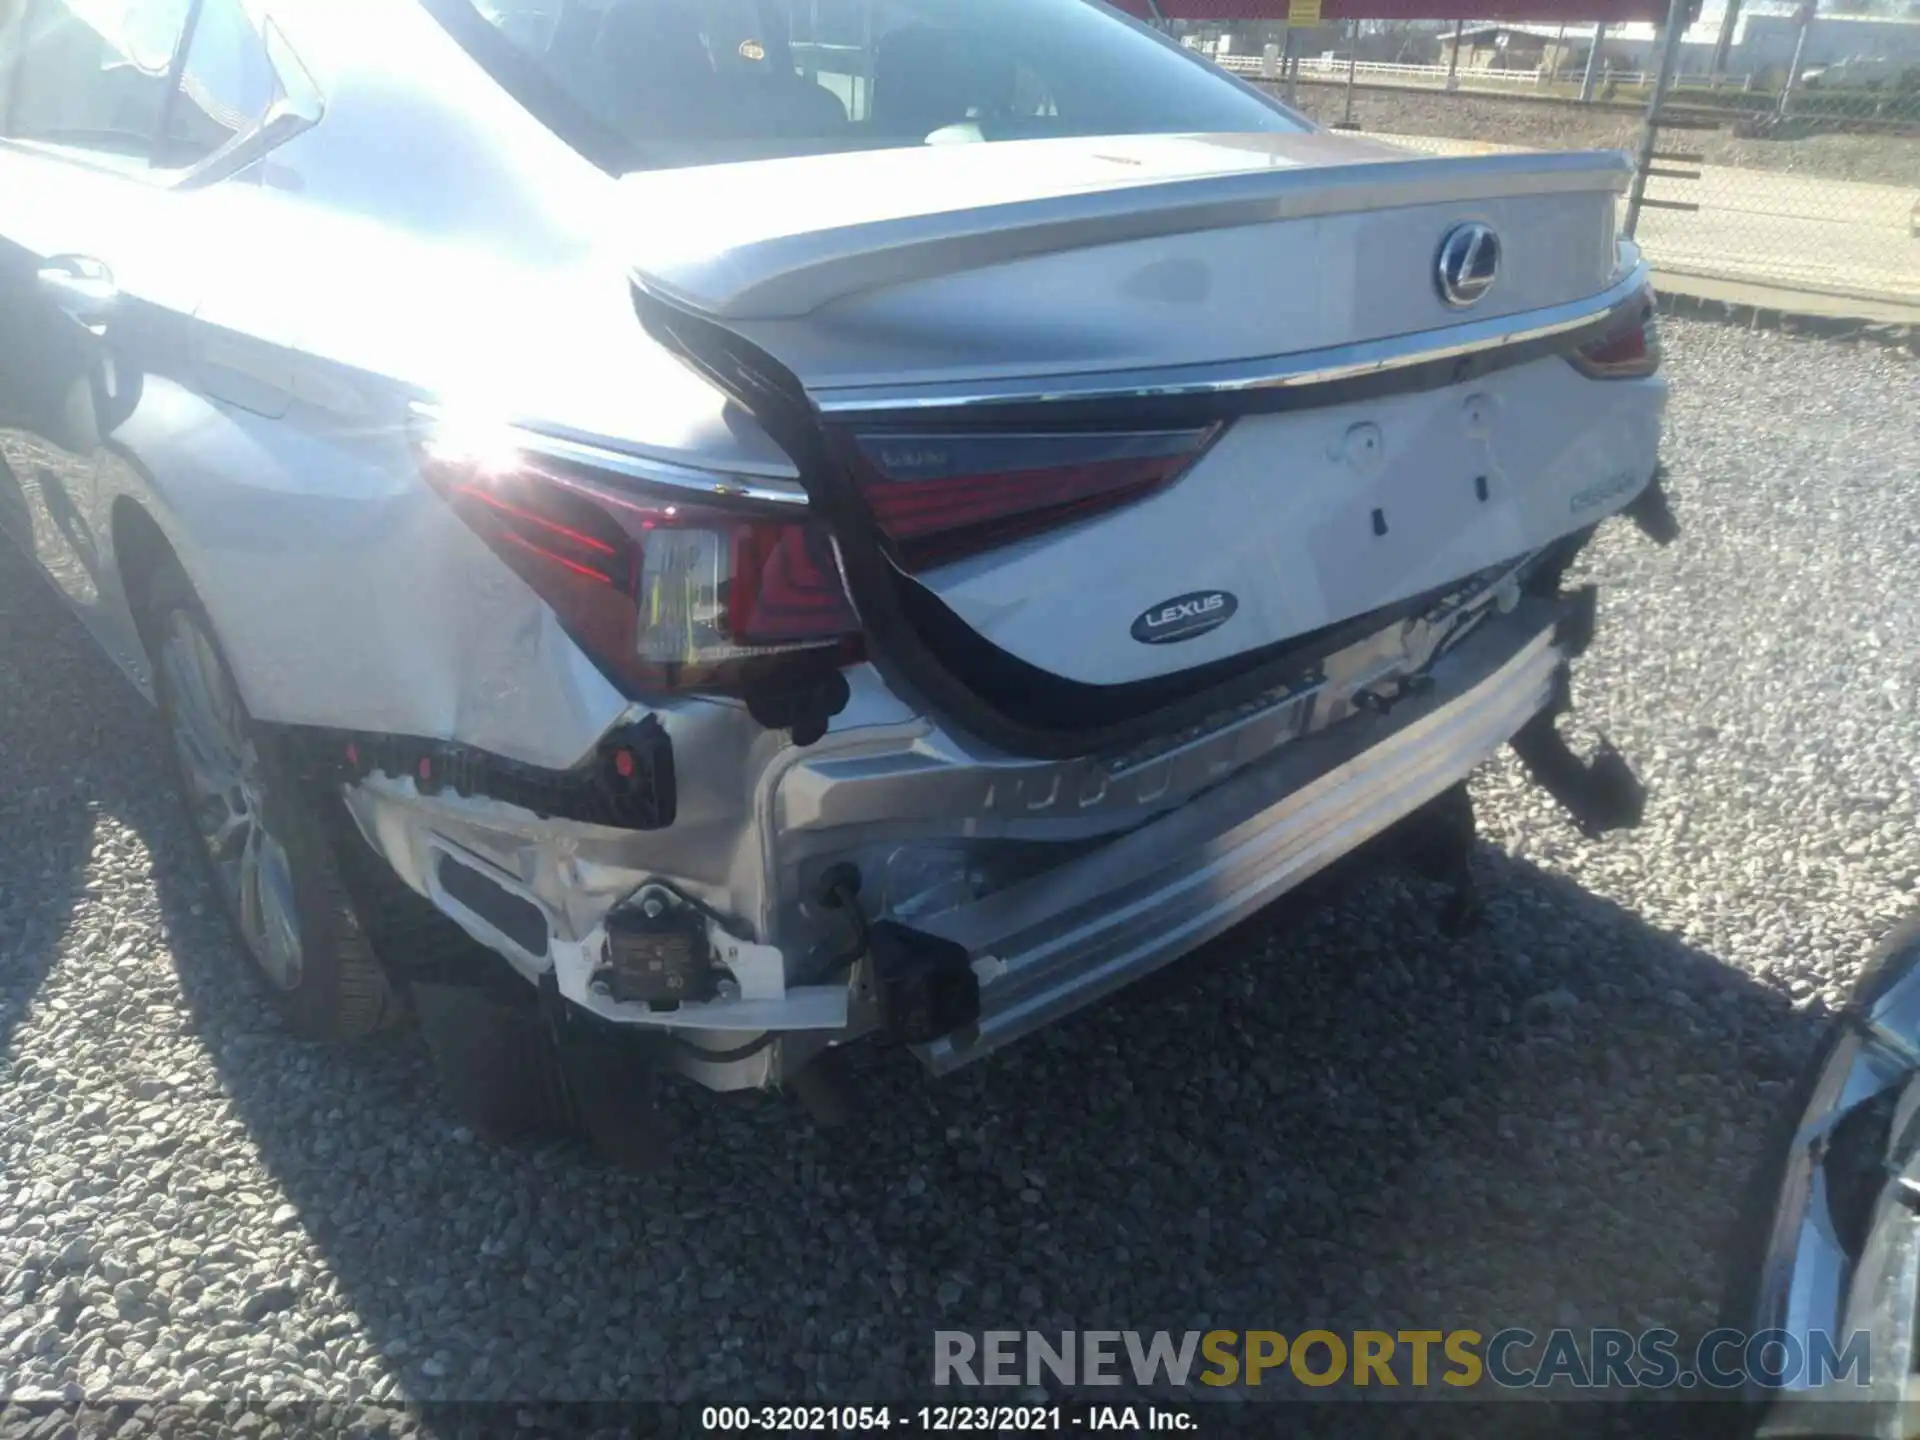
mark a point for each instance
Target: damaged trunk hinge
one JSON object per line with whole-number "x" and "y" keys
{"x": 1599, "y": 795}
{"x": 1579, "y": 618}
{"x": 1652, "y": 512}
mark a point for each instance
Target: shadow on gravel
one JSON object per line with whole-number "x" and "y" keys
{"x": 1336, "y": 1118}
{"x": 67, "y": 726}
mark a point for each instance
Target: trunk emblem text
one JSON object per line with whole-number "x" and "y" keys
{"x": 1468, "y": 262}
{"x": 1185, "y": 617}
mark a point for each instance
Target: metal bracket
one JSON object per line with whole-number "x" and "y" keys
{"x": 1581, "y": 617}
{"x": 759, "y": 970}
{"x": 1652, "y": 511}
{"x": 1598, "y": 795}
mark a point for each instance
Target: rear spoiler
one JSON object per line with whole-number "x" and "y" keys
{"x": 1302, "y": 378}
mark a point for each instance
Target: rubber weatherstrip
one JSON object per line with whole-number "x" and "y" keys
{"x": 774, "y": 396}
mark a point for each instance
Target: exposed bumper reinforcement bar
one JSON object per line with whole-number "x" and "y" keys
{"x": 1056, "y": 943}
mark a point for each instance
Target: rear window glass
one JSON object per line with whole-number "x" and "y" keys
{"x": 92, "y": 74}
{"x": 691, "y": 81}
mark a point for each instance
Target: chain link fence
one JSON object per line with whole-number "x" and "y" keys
{"x": 1778, "y": 165}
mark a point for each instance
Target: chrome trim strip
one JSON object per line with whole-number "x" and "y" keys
{"x": 712, "y": 484}
{"x": 718, "y": 484}
{"x": 1291, "y": 372}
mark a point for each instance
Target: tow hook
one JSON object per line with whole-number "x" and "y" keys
{"x": 1653, "y": 513}
{"x": 926, "y": 985}
{"x": 1598, "y": 795}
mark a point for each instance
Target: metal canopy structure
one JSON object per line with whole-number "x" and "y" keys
{"x": 1547, "y": 12}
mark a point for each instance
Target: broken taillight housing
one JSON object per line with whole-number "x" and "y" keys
{"x": 666, "y": 589}
{"x": 1630, "y": 352}
{"x": 939, "y": 498}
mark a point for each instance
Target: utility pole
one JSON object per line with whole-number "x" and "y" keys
{"x": 1729, "y": 22}
{"x": 1353, "y": 56}
{"x": 1593, "y": 62}
{"x": 1453, "y": 57}
{"x": 1670, "y": 36}
{"x": 1799, "y": 49}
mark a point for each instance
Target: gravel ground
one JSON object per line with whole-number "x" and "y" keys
{"x": 1346, "y": 1119}
{"x": 1883, "y": 159}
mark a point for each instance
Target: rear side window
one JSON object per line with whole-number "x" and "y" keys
{"x": 227, "y": 85}
{"x": 691, "y": 81}
{"x": 94, "y": 73}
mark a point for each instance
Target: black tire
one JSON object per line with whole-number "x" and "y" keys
{"x": 490, "y": 1042}
{"x": 338, "y": 990}
{"x": 496, "y": 1058}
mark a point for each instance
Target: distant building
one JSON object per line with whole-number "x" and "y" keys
{"x": 1516, "y": 47}
{"x": 1762, "y": 42}
{"x": 1395, "y": 43}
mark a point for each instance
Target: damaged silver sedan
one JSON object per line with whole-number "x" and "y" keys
{"x": 683, "y": 533}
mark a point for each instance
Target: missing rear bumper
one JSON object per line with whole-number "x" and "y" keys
{"x": 1147, "y": 858}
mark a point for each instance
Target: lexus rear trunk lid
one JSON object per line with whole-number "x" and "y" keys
{"x": 1102, "y": 414}
{"x": 1050, "y": 257}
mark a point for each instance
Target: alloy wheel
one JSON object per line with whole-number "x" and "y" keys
{"x": 226, "y": 794}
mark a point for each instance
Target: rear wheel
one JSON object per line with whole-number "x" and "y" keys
{"x": 1746, "y": 1246}
{"x": 265, "y": 837}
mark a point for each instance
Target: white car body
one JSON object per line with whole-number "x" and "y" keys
{"x": 398, "y": 260}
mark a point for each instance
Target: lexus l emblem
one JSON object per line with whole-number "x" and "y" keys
{"x": 1468, "y": 262}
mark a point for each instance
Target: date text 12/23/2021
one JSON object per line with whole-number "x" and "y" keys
{"x": 943, "y": 1419}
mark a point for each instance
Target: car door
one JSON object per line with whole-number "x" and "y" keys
{"x": 85, "y": 92}
{"x": 111, "y": 119}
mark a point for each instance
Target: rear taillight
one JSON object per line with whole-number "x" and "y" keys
{"x": 941, "y": 497}
{"x": 664, "y": 592}
{"x": 1630, "y": 352}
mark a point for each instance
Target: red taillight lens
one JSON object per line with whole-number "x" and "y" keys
{"x": 664, "y": 595}
{"x": 941, "y": 497}
{"x": 1628, "y": 353}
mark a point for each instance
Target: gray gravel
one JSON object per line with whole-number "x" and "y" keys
{"x": 1346, "y": 1119}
